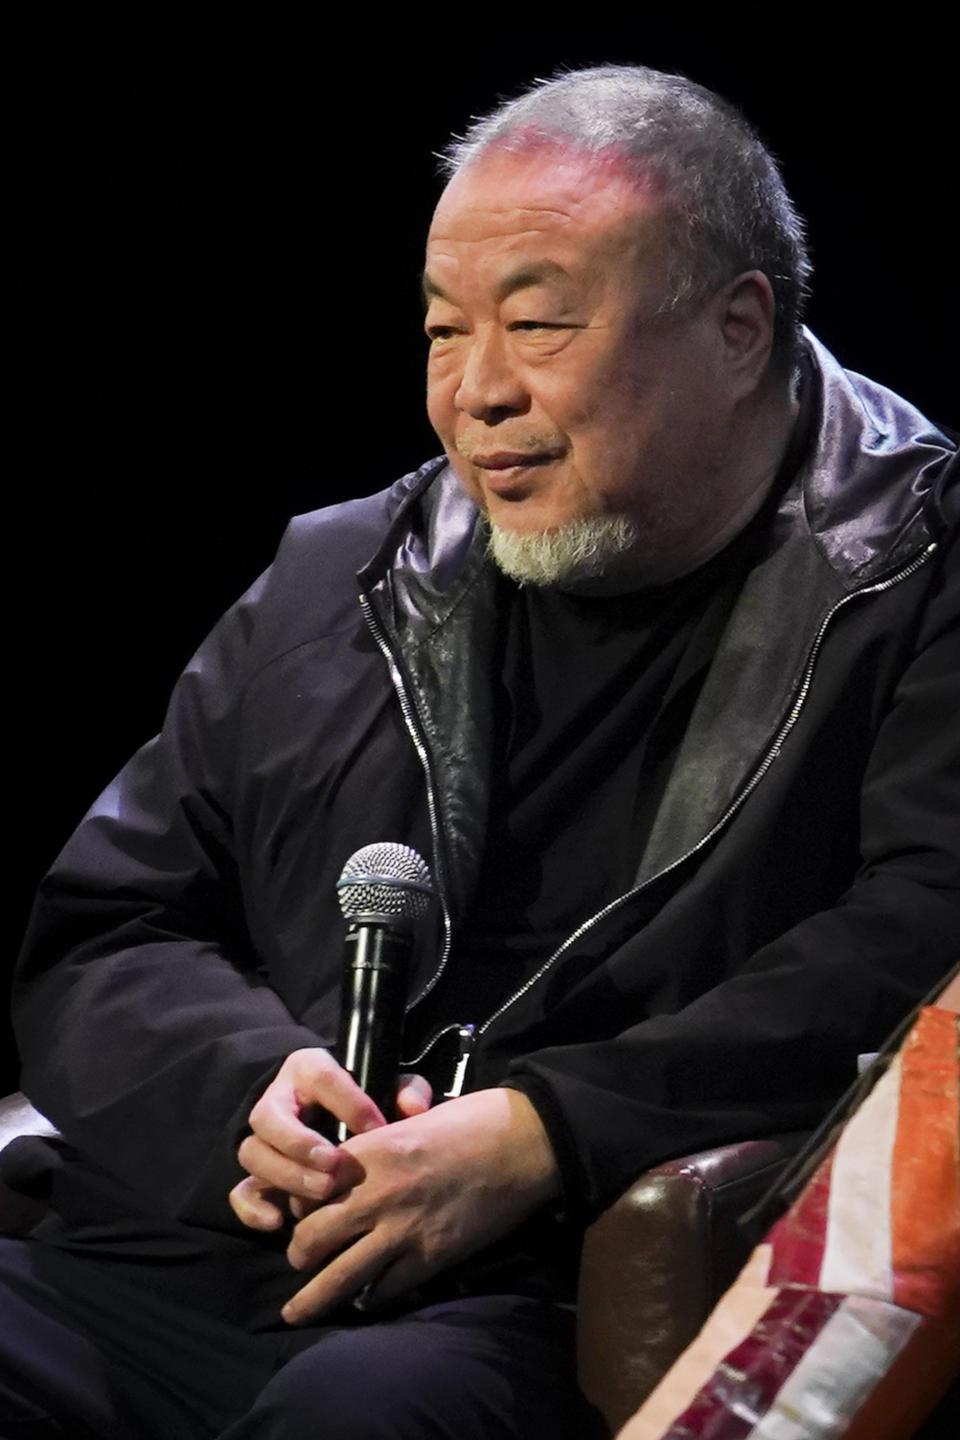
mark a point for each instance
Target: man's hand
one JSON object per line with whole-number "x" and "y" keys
{"x": 286, "y": 1158}
{"x": 394, "y": 1204}
{"x": 411, "y": 1198}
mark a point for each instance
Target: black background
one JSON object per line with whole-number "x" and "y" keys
{"x": 218, "y": 249}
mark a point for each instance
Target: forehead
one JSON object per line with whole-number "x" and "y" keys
{"x": 556, "y": 201}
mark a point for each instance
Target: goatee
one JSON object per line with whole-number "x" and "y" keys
{"x": 587, "y": 548}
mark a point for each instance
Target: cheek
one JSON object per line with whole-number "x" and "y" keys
{"x": 441, "y": 410}
{"x": 605, "y": 440}
{"x": 591, "y": 405}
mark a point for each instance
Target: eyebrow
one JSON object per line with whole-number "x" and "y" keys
{"x": 525, "y": 278}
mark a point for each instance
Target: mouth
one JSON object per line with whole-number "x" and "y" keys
{"x": 507, "y": 472}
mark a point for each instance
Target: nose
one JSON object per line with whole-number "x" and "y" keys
{"x": 490, "y": 388}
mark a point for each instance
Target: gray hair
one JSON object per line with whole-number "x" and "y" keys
{"x": 732, "y": 212}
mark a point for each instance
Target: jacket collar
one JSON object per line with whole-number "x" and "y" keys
{"x": 869, "y": 489}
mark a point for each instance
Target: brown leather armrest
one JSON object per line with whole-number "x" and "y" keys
{"x": 657, "y": 1261}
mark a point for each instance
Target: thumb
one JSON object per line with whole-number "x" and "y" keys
{"x": 414, "y": 1095}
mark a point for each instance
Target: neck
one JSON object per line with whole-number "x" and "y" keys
{"x": 762, "y": 439}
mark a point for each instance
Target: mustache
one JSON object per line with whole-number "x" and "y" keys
{"x": 474, "y": 450}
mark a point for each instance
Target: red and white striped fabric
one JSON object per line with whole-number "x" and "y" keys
{"x": 881, "y": 1218}
{"x": 846, "y": 1322}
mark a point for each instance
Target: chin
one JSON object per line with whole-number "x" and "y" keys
{"x": 587, "y": 548}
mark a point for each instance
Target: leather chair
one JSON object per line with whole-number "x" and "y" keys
{"x": 658, "y": 1260}
{"x": 653, "y": 1265}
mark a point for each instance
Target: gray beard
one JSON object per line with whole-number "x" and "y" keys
{"x": 584, "y": 549}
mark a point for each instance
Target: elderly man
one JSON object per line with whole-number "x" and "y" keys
{"x": 655, "y": 667}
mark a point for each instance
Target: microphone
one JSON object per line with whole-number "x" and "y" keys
{"x": 384, "y": 890}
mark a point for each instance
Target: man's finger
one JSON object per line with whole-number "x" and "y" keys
{"x": 324, "y": 1233}
{"x": 414, "y": 1095}
{"x": 331, "y": 1171}
{"x": 300, "y": 1208}
{"x": 309, "y": 1079}
{"x": 338, "y": 1282}
{"x": 336, "y": 1091}
{"x": 253, "y": 1205}
{"x": 275, "y": 1119}
{"x": 272, "y": 1170}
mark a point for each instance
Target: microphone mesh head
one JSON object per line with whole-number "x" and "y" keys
{"x": 388, "y": 879}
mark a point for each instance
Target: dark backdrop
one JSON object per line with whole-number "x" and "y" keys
{"x": 220, "y": 240}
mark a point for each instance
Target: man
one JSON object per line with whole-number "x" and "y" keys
{"x": 655, "y": 668}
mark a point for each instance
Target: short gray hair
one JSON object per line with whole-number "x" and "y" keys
{"x": 732, "y": 211}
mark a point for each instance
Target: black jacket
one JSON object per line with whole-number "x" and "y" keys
{"x": 800, "y": 890}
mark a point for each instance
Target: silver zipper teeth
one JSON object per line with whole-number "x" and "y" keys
{"x": 730, "y": 811}
{"x": 410, "y": 720}
{"x": 447, "y": 1030}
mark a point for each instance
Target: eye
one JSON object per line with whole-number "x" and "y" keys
{"x": 439, "y": 333}
{"x": 534, "y": 325}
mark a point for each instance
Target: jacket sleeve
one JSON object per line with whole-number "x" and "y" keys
{"x": 138, "y": 1002}
{"x": 772, "y": 1047}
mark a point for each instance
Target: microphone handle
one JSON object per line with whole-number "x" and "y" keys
{"x": 372, "y": 1004}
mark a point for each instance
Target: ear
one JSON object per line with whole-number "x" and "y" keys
{"x": 745, "y": 314}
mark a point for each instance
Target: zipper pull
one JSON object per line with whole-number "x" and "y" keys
{"x": 466, "y": 1039}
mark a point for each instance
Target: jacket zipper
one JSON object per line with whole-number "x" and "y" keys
{"x": 411, "y": 720}
{"x": 468, "y": 1034}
